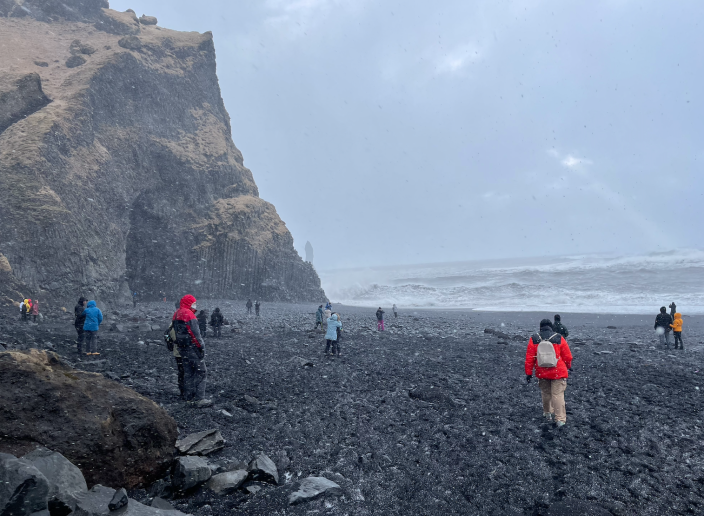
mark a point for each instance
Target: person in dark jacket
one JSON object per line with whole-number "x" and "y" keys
{"x": 257, "y": 306}
{"x": 203, "y": 322}
{"x": 559, "y": 328}
{"x": 379, "y": 320}
{"x": 673, "y": 310}
{"x": 551, "y": 380}
{"x": 93, "y": 317}
{"x": 191, "y": 347}
{"x": 216, "y": 321}
{"x": 319, "y": 318}
{"x": 79, "y": 320}
{"x": 662, "y": 327}
{"x": 249, "y": 306}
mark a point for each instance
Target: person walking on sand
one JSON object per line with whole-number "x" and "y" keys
{"x": 35, "y": 310}
{"x": 257, "y": 306}
{"x": 91, "y": 326}
{"x": 549, "y": 354}
{"x": 331, "y": 335}
{"x": 79, "y": 320}
{"x": 216, "y": 321}
{"x": 379, "y": 320}
{"x": 249, "y": 306}
{"x": 191, "y": 347}
{"x": 677, "y": 330}
{"x": 662, "y": 327}
{"x": 559, "y": 328}
{"x": 395, "y": 311}
{"x": 319, "y": 318}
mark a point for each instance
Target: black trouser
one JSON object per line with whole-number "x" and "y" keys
{"x": 80, "y": 338}
{"x": 318, "y": 323}
{"x": 335, "y": 346}
{"x": 35, "y": 318}
{"x": 678, "y": 338}
{"x": 203, "y": 329}
{"x": 216, "y": 330}
{"x": 194, "y": 373}
{"x": 179, "y": 366}
{"x": 134, "y": 303}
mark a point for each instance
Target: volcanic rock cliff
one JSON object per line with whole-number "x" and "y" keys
{"x": 117, "y": 167}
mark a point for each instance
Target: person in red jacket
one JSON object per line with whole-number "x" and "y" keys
{"x": 552, "y": 380}
{"x": 191, "y": 347}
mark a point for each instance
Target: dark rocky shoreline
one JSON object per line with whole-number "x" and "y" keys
{"x": 432, "y": 416}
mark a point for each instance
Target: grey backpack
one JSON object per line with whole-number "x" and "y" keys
{"x": 547, "y": 357}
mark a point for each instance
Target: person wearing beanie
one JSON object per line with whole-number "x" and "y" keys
{"x": 663, "y": 328}
{"x": 559, "y": 328}
{"x": 551, "y": 380}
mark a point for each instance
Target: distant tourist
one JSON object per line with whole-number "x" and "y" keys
{"x": 191, "y": 347}
{"x": 203, "y": 322}
{"x": 549, "y": 354}
{"x": 379, "y": 320}
{"x": 35, "y": 310}
{"x": 339, "y": 328}
{"x": 662, "y": 327}
{"x": 216, "y": 321}
{"x": 134, "y": 299}
{"x": 93, "y": 317}
{"x": 673, "y": 309}
{"x": 328, "y": 306}
{"x": 25, "y": 309}
{"x": 394, "y": 310}
{"x": 257, "y": 306}
{"x": 331, "y": 335}
{"x": 319, "y": 317}
{"x": 79, "y": 320}
{"x": 677, "y": 330}
{"x": 326, "y": 315}
{"x": 249, "y": 306}
{"x": 559, "y": 328}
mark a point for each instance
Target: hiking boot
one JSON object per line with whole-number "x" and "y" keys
{"x": 203, "y": 403}
{"x": 547, "y": 416}
{"x": 560, "y": 424}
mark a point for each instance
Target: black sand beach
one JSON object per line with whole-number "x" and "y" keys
{"x": 433, "y": 416}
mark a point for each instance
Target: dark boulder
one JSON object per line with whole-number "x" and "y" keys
{"x": 119, "y": 500}
{"x": 189, "y": 472}
{"x": 262, "y": 468}
{"x": 313, "y": 487}
{"x": 148, "y": 20}
{"x": 80, "y": 48}
{"x": 23, "y": 488}
{"x": 96, "y": 503}
{"x": 114, "y": 435}
{"x": 75, "y": 61}
{"x": 201, "y": 443}
{"x": 130, "y": 43}
{"x": 20, "y": 96}
{"x": 66, "y": 482}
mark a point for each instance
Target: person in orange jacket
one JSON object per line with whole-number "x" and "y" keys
{"x": 677, "y": 330}
{"x": 551, "y": 380}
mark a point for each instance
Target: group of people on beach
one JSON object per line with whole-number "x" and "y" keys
{"x": 29, "y": 308}
{"x": 666, "y": 323}
{"x": 87, "y": 320}
{"x": 257, "y": 306}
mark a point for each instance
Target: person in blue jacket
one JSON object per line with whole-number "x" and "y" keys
{"x": 93, "y": 317}
{"x": 331, "y": 335}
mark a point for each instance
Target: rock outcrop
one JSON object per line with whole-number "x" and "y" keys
{"x": 119, "y": 172}
{"x": 115, "y": 436}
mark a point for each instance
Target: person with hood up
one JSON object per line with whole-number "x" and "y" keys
{"x": 559, "y": 328}
{"x": 35, "y": 310}
{"x": 328, "y": 306}
{"x": 249, "y": 306}
{"x": 27, "y": 304}
{"x": 91, "y": 326}
{"x": 662, "y": 327}
{"x": 319, "y": 317}
{"x": 677, "y": 329}
{"x": 331, "y": 335}
{"x": 203, "y": 323}
{"x": 551, "y": 380}
{"x": 191, "y": 347}
{"x": 216, "y": 321}
{"x": 379, "y": 320}
{"x": 79, "y": 320}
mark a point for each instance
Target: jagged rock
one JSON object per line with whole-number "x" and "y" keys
{"x": 189, "y": 472}
{"x": 20, "y": 96}
{"x": 201, "y": 443}
{"x": 313, "y": 487}
{"x": 110, "y": 432}
{"x": 80, "y": 48}
{"x": 42, "y": 64}
{"x": 130, "y": 43}
{"x": 147, "y": 20}
{"x": 66, "y": 482}
{"x": 23, "y": 488}
{"x": 119, "y": 500}
{"x": 48, "y": 10}
{"x": 226, "y": 483}
{"x": 160, "y": 503}
{"x": 118, "y": 23}
{"x": 74, "y": 61}
{"x": 262, "y": 468}
{"x": 97, "y": 500}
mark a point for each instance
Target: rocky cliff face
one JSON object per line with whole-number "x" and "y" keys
{"x": 117, "y": 167}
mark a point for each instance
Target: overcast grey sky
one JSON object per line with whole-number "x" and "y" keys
{"x": 409, "y": 131}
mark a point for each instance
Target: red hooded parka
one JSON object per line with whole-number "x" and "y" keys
{"x": 186, "y": 314}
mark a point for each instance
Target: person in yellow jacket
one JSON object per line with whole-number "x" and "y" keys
{"x": 677, "y": 330}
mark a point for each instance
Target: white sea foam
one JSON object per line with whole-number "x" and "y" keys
{"x": 596, "y": 284}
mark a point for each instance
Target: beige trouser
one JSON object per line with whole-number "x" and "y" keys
{"x": 553, "y": 393}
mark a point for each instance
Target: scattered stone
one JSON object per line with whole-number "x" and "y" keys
{"x": 189, "y": 472}
{"x": 263, "y": 469}
{"x": 201, "y": 443}
{"x": 302, "y": 362}
{"x": 119, "y": 500}
{"x": 23, "y": 488}
{"x": 117, "y": 327}
{"x": 97, "y": 500}
{"x": 228, "y": 482}
{"x": 313, "y": 487}
{"x": 74, "y": 61}
{"x": 80, "y": 48}
{"x": 42, "y": 64}
{"x": 148, "y": 20}
{"x": 66, "y": 482}
{"x": 130, "y": 43}
{"x": 160, "y": 503}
